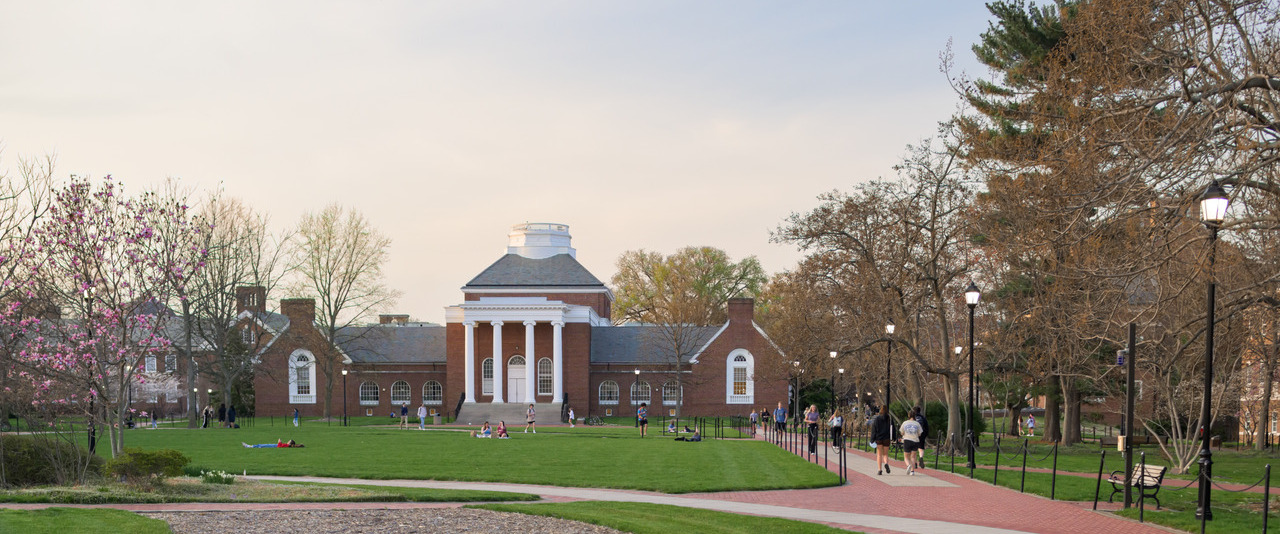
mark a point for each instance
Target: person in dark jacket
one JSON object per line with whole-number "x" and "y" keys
{"x": 924, "y": 435}
{"x": 222, "y": 415}
{"x": 881, "y": 435}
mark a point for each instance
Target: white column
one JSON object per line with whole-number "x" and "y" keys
{"x": 557, "y": 362}
{"x": 470, "y": 364}
{"x": 530, "y": 365}
{"x": 498, "y": 362}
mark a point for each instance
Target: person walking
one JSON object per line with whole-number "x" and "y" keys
{"x": 404, "y": 416}
{"x": 780, "y": 420}
{"x": 642, "y": 417}
{"x": 910, "y": 430}
{"x": 295, "y": 418}
{"x": 837, "y": 429}
{"x": 571, "y": 425}
{"x": 881, "y": 436}
{"x": 753, "y": 417}
{"x": 1031, "y": 425}
{"x": 924, "y": 435}
{"x": 422, "y": 416}
{"x": 222, "y": 415}
{"x": 231, "y": 416}
{"x": 206, "y": 413}
{"x": 528, "y": 420}
{"x": 811, "y": 417}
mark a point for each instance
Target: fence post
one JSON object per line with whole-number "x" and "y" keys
{"x": 1142, "y": 494}
{"x": 995, "y": 478}
{"x": 1098, "y": 488}
{"x": 1025, "y": 452}
{"x": 1266, "y": 498}
{"x": 1053, "y": 480}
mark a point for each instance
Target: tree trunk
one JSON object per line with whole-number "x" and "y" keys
{"x": 955, "y": 426}
{"x": 1071, "y": 397}
{"x": 1263, "y": 434}
{"x": 1052, "y": 417}
{"x": 1015, "y": 414}
{"x": 917, "y": 387}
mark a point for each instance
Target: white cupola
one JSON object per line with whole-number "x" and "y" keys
{"x": 540, "y": 240}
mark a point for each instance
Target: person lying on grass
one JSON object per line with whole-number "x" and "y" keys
{"x": 695, "y": 437}
{"x": 279, "y": 444}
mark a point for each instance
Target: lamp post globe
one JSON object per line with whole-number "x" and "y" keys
{"x": 1213, "y": 210}
{"x": 971, "y": 297}
{"x": 888, "y": 362}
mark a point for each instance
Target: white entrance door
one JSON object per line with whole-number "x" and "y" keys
{"x": 515, "y": 379}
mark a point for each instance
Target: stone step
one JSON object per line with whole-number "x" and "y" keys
{"x": 512, "y": 413}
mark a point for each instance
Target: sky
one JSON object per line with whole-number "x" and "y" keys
{"x": 642, "y": 125}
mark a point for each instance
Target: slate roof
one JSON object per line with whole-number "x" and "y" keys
{"x": 513, "y": 270}
{"x": 647, "y": 344}
{"x": 393, "y": 344}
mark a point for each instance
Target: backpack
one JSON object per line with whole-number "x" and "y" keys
{"x": 924, "y": 426}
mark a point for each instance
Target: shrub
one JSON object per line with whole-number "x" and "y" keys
{"x": 35, "y": 461}
{"x": 217, "y": 477}
{"x": 137, "y": 466}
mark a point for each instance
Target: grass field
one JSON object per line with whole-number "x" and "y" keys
{"x": 644, "y": 518}
{"x": 582, "y": 457}
{"x": 193, "y": 490}
{"x": 63, "y": 520}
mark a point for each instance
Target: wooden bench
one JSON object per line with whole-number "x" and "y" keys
{"x": 1110, "y": 442}
{"x": 1145, "y": 479}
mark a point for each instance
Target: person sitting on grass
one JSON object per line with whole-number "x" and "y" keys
{"x": 279, "y": 444}
{"x": 502, "y": 430}
{"x": 695, "y": 437}
{"x": 485, "y": 431}
{"x": 671, "y": 427}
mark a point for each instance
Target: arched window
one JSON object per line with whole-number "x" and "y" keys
{"x": 486, "y": 377}
{"x": 608, "y": 392}
{"x": 639, "y": 392}
{"x": 544, "y": 376}
{"x": 432, "y": 393}
{"x": 400, "y": 392}
{"x": 302, "y": 377}
{"x": 740, "y": 377}
{"x": 670, "y": 393}
{"x": 368, "y": 394}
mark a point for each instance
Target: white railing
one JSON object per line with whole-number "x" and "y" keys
{"x": 302, "y": 399}
{"x": 741, "y": 399}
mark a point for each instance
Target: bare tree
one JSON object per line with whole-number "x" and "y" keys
{"x": 337, "y": 259}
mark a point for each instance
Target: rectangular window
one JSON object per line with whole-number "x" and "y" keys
{"x": 739, "y": 380}
{"x": 1274, "y": 422}
{"x": 247, "y": 336}
{"x": 170, "y": 363}
{"x": 303, "y": 380}
{"x": 151, "y": 364}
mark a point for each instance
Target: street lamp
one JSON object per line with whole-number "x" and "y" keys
{"x": 888, "y": 361}
{"x": 971, "y": 296}
{"x": 635, "y": 387}
{"x": 1213, "y": 209}
{"x": 841, "y": 376}
{"x": 832, "y": 385}
{"x": 344, "y": 398}
{"x": 795, "y": 407}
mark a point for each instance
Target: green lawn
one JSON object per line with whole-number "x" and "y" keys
{"x": 645, "y": 518}
{"x": 192, "y": 490}
{"x": 62, "y": 520}
{"x": 608, "y": 457}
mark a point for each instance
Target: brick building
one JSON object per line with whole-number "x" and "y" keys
{"x": 533, "y": 328}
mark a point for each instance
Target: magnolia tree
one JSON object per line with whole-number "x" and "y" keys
{"x": 98, "y": 254}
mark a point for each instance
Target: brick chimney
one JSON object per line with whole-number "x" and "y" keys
{"x": 301, "y": 311}
{"x": 395, "y": 319}
{"x": 251, "y": 298}
{"x": 742, "y": 309}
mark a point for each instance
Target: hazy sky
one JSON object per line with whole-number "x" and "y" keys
{"x": 650, "y": 124}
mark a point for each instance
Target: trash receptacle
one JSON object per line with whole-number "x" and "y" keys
{"x": 435, "y": 419}
{"x": 1215, "y": 441}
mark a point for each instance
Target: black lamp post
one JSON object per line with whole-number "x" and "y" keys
{"x": 344, "y": 398}
{"x": 832, "y": 385}
{"x": 841, "y": 377}
{"x": 888, "y": 361}
{"x": 795, "y": 407}
{"x": 1213, "y": 209}
{"x": 971, "y": 296}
